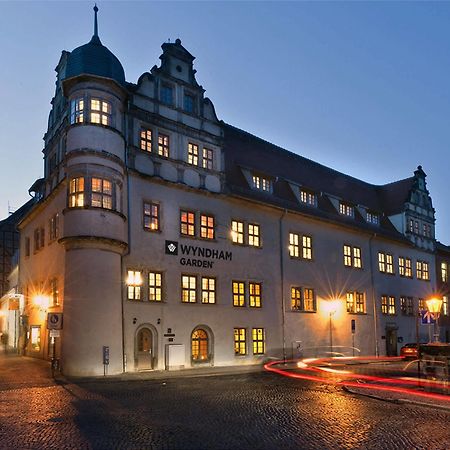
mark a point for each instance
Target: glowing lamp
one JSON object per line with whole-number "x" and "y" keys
{"x": 41, "y": 301}
{"x": 434, "y": 305}
{"x": 331, "y": 306}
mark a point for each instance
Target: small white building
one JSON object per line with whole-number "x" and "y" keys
{"x": 168, "y": 238}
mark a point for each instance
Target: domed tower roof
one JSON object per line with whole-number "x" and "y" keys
{"x": 94, "y": 58}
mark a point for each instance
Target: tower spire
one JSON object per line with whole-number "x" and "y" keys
{"x": 95, "y": 39}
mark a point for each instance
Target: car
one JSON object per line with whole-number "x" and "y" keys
{"x": 409, "y": 351}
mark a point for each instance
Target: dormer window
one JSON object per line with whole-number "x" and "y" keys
{"x": 261, "y": 183}
{"x": 372, "y": 218}
{"x": 346, "y": 210}
{"x": 308, "y": 198}
{"x": 167, "y": 94}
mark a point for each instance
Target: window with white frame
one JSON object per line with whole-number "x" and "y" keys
{"x": 308, "y": 198}
{"x": 100, "y": 112}
{"x": 207, "y": 160}
{"x": 101, "y": 195}
{"x": 76, "y": 192}
{"x": 253, "y": 235}
{"x": 346, "y": 210}
{"x": 261, "y": 183}
{"x": 237, "y": 232}
{"x": 192, "y": 154}
{"x": 134, "y": 284}
{"x": 188, "y": 288}
{"x": 77, "y": 114}
{"x": 208, "y": 290}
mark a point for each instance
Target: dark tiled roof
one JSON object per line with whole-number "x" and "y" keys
{"x": 245, "y": 151}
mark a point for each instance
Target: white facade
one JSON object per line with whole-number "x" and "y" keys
{"x": 132, "y": 168}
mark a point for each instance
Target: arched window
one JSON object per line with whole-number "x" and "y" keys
{"x": 200, "y": 345}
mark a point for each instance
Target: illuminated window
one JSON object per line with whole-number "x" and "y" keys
{"x": 254, "y": 298}
{"x": 416, "y": 227}
{"x": 352, "y": 257}
{"x": 404, "y": 267}
{"x": 389, "y": 264}
{"x": 238, "y": 293}
{"x": 445, "y": 310}
{"x": 151, "y": 216}
{"x": 134, "y": 283}
{"x": 406, "y": 306}
{"x": 206, "y": 226}
{"x": 309, "y": 198}
{"x": 372, "y": 218}
{"x": 35, "y": 337}
{"x": 208, "y": 290}
{"x": 293, "y": 245}
{"x": 54, "y": 293}
{"x": 240, "y": 341}
{"x": 163, "y": 145}
{"x": 384, "y": 304}
{"x": 408, "y": 268}
{"x": 307, "y": 247}
{"x": 309, "y": 300}
{"x": 385, "y": 263}
{"x": 357, "y": 258}
{"x": 189, "y": 103}
{"x": 422, "y": 270}
{"x": 76, "y": 192}
{"x": 166, "y": 94}
{"x": 77, "y": 111}
{"x": 261, "y": 183}
{"x": 53, "y": 230}
{"x": 101, "y": 196}
{"x": 253, "y": 235}
{"x": 100, "y": 111}
{"x": 422, "y": 304}
{"x": 187, "y": 223}
{"x": 146, "y": 140}
{"x": 356, "y": 302}
{"x": 237, "y": 232}
{"x": 346, "y": 209}
{"x": 388, "y": 305}
{"x": 199, "y": 346}
{"x": 188, "y": 289}
{"x": 444, "y": 272}
{"x": 193, "y": 154}
{"x": 391, "y": 305}
{"x": 296, "y": 298}
{"x": 207, "y": 161}
{"x": 258, "y": 341}
{"x": 155, "y": 286}
{"x": 411, "y": 225}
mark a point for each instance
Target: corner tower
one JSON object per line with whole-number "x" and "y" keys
{"x": 94, "y": 230}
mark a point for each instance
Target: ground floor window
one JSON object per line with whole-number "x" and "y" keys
{"x": 258, "y": 341}
{"x": 200, "y": 345}
{"x": 35, "y": 338}
{"x": 240, "y": 341}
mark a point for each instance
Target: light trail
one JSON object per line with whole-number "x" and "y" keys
{"x": 380, "y": 387}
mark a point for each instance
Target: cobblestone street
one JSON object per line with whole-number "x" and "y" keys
{"x": 246, "y": 411}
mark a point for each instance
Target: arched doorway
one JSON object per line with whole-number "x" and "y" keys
{"x": 201, "y": 346}
{"x": 144, "y": 349}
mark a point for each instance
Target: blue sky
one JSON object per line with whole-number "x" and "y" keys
{"x": 362, "y": 87}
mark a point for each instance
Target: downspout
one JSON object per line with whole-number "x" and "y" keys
{"x": 375, "y": 318}
{"x": 124, "y": 356}
{"x": 283, "y": 309}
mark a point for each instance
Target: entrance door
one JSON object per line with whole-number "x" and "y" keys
{"x": 144, "y": 349}
{"x": 391, "y": 342}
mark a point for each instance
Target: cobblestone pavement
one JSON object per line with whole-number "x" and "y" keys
{"x": 246, "y": 411}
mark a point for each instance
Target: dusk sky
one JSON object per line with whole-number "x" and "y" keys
{"x": 362, "y": 87}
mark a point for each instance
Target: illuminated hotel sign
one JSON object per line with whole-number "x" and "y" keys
{"x": 196, "y": 256}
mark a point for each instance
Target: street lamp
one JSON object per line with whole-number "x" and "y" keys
{"x": 331, "y": 306}
{"x": 434, "y": 305}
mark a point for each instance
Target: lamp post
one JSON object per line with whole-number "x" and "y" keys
{"x": 434, "y": 305}
{"x": 331, "y": 308}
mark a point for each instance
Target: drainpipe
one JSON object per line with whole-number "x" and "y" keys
{"x": 283, "y": 310}
{"x": 375, "y": 318}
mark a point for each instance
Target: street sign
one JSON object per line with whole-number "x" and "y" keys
{"x": 427, "y": 317}
{"x": 353, "y": 326}
{"x": 54, "y": 321}
{"x": 55, "y": 333}
{"x": 105, "y": 355}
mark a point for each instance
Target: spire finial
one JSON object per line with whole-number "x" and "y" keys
{"x": 95, "y": 20}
